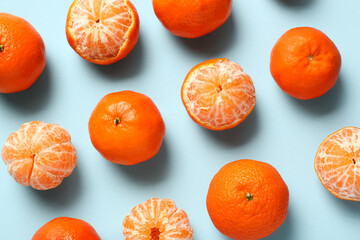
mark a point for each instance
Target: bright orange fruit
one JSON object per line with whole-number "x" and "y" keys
{"x": 247, "y": 200}
{"x": 102, "y": 31}
{"x": 192, "y": 19}
{"x": 22, "y": 54}
{"x": 305, "y": 63}
{"x": 65, "y": 228}
{"x": 337, "y": 163}
{"x": 39, "y": 155}
{"x": 218, "y": 94}
{"x": 126, "y": 128}
{"x": 157, "y": 219}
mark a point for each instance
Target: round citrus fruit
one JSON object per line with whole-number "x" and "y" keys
{"x": 102, "y": 32}
{"x": 217, "y": 94}
{"x": 126, "y": 128}
{"x": 305, "y": 63}
{"x": 39, "y": 155}
{"x": 157, "y": 219}
{"x": 22, "y": 54}
{"x": 192, "y": 19}
{"x": 337, "y": 163}
{"x": 65, "y": 228}
{"x": 247, "y": 200}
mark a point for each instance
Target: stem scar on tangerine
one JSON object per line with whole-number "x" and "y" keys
{"x": 117, "y": 121}
{"x": 249, "y": 196}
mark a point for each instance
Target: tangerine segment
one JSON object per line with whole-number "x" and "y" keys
{"x": 102, "y": 31}
{"x": 218, "y": 95}
{"x": 39, "y": 155}
{"x": 157, "y": 219}
{"x": 337, "y": 163}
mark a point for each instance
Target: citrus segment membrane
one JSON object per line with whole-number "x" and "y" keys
{"x": 337, "y": 163}
{"x": 219, "y": 94}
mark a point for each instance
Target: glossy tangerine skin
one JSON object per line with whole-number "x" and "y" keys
{"x": 305, "y": 63}
{"x": 242, "y": 218}
{"x": 65, "y": 228}
{"x": 23, "y": 58}
{"x": 139, "y": 135}
{"x": 192, "y": 18}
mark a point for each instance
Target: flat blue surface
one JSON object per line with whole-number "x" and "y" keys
{"x": 281, "y": 130}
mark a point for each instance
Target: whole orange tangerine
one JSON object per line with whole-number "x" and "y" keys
{"x": 65, "y": 228}
{"x": 22, "y": 54}
{"x": 247, "y": 200}
{"x": 192, "y": 19}
{"x": 305, "y": 63}
{"x": 126, "y": 128}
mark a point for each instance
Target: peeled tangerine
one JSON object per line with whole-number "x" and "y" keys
{"x": 218, "y": 94}
{"x": 337, "y": 163}
{"x": 102, "y": 31}
{"x": 39, "y": 155}
{"x": 158, "y": 219}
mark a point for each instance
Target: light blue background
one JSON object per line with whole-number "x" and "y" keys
{"x": 282, "y": 131}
